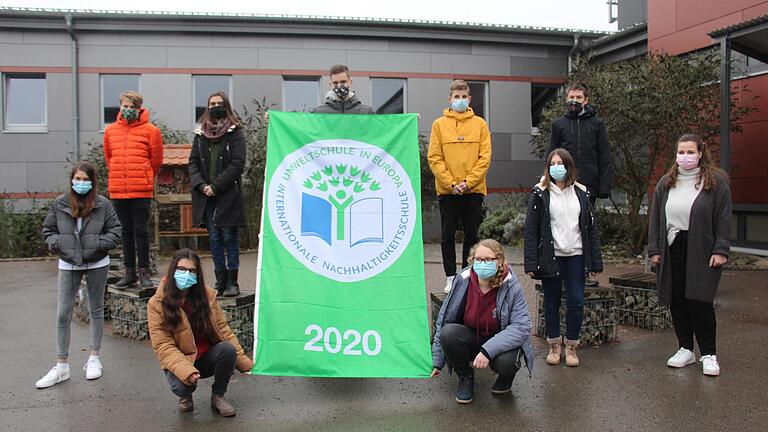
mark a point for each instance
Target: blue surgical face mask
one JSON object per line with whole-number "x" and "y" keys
{"x": 82, "y": 187}
{"x": 459, "y": 105}
{"x": 485, "y": 270}
{"x": 557, "y": 172}
{"x": 184, "y": 279}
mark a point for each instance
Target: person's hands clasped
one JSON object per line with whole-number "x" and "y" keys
{"x": 208, "y": 191}
{"x": 193, "y": 378}
{"x": 717, "y": 260}
{"x": 481, "y": 361}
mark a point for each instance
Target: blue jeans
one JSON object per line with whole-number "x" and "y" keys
{"x": 572, "y": 273}
{"x": 223, "y": 240}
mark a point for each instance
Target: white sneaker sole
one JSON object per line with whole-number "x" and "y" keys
{"x": 711, "y": 372}
{"x": 672, "y": 364}
{"x": 42, "y": 386}
{"x": 91, "y": 378}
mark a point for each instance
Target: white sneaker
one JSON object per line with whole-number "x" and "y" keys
{"x": 709, "y": 365}
{"x": 92, "y": 368}
{"x": 448, "y": 284}
{"x": 54, "y": 376}
{"x": 683, "y": 357}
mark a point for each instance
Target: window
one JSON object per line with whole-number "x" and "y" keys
{"x": 479, "y": 92}
{"x": 111, "y": 88}
{"x": 301, "y": 93}
{"x": 388, "y": 95}
{"x": 25, "y": 104}
{"x": 204, "y": 86}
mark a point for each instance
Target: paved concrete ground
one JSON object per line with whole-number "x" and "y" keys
{"x": 620, "y": 387}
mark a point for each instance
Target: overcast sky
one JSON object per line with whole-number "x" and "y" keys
{"x": 572, "y": 14}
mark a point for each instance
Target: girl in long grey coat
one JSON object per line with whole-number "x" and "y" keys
{"x": 688, "y": 242}
{"x": 81, "y": 227}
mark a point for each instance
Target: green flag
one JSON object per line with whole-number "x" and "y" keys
{"x": 340, "y": 273}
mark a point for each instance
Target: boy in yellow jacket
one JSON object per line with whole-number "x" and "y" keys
{"x": 459, "y": 156}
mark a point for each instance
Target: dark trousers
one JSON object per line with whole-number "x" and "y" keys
{"x": 134, "y": 215}
{"x": 461, "y": 345}
{"x": 690, "y": 317}
{"x": 572, "y": 273}
{"x": 218, "y": 361}
{"x": 224, "y": 241}
{"x": 454, "y": 208}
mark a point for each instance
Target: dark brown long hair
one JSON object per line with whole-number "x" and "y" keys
{"x": 82, "y": 205}
{"x": 708, "y": 170}
{"x": 570, "y": 167}
{"x": 231, "y": 116}
{"x": 197, "y": 298}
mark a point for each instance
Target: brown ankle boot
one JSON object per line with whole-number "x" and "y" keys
{"x": 222, "y": 406}
{"x": 186, "y": 404}
{"x": 553, "y": 358}
{"x": 570, "y": 353}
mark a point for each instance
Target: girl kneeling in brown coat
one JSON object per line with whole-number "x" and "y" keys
{"x": 190, "y": 334}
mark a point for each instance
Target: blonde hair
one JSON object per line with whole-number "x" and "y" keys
{"x": 498, "y": 251}
{"x": 459, "y": 85}
{"x": 132, "y": 96}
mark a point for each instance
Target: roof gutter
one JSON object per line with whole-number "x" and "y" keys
{"x": 75, "y": 82}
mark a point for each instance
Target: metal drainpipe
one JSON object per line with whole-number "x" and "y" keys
{"x": 576, "y": 39}
{"x": 75, "y": 82}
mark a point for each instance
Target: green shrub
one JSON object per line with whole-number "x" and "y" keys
{"x": 505, "y": 221}
{"x": 22, "y": 230}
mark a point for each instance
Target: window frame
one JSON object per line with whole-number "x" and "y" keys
{"x": 303, "y": 78}
{"x": 486, "y": 98}
{"x": 405, "y": 90}
{"x": 195, "y": 124}
{"x": 102, "y": 123}
{"x": 23, "y": 127}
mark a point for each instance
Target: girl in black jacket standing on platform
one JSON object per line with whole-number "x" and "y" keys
{"x": 688, "y": 242}
{"x": 216, "y": 164}
{"x": 561, "y": 246}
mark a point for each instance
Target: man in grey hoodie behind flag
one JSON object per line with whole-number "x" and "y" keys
{"x": 341, "y": 99}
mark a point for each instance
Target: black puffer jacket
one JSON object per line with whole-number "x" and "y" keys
{"x": 350, "y": 105}
{"x": 539, "y": 248}
{"x": 227, "y": 185}
{"x": 586, "y": 139}
{"x": 99, "y": 234}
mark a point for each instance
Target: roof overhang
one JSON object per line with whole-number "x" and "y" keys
{"x": 749, "y": 37}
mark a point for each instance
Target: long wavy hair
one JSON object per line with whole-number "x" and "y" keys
{"x": 82, "y": 205}
{"x": 708, "y": 170}
{"x": 570, "y": 167}
{"x": 196, "y": 297}
{"x": 231, "y": 115}
{"x": 501, "y": 262}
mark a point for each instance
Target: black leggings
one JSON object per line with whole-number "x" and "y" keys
{"x": 460, "y": 347}
{"x": 219, "y": 362}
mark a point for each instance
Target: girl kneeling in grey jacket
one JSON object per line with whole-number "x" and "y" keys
{"x": 484, "y": 322}
{"x": 81, "y": 227}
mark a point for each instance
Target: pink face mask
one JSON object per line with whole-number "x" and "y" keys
{"x": 687, "y": 161}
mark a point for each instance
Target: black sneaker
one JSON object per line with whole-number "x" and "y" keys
{"x": 503, "y": 385}
{"x": 465, "y": 393}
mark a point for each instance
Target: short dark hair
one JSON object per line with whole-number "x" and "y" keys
{"x": 339, "y": 68}
{"x": 579, "y": 87}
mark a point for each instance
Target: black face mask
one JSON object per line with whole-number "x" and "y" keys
{"x": 342, "y": 91}
{"x": 218, "y": 112}
{"x": 574, "y": 107}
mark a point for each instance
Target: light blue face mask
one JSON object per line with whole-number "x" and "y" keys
{"x": 557, "y": 172}
{"x": 484, "y": 270}
{"x": 82, "y": 187}
{"x": 184, "y": 279}
{"x": 460, "y": 105}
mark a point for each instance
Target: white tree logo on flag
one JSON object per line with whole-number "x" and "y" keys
{"x": 343, "y": 208}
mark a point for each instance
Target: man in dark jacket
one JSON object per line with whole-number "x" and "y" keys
{"x": 341, "y": 99}
{"x": 584, "y": 136}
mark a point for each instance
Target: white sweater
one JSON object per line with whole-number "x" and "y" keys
{"x": 564, "y": 211}
{"x": 680, "y": 201}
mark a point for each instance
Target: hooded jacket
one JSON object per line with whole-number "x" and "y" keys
{"x": 100, "y": 231}
{"x": 459, "y": 150}
{"x": 349, "y": 105}
{"x": 134, "y": 155}
{"x": 227, "y": 185}
{"x": 175, "y": 348}
{"x": 514, "y": 318}
{"x": 539, "y": 249}
{"x": 586, "y": 139}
